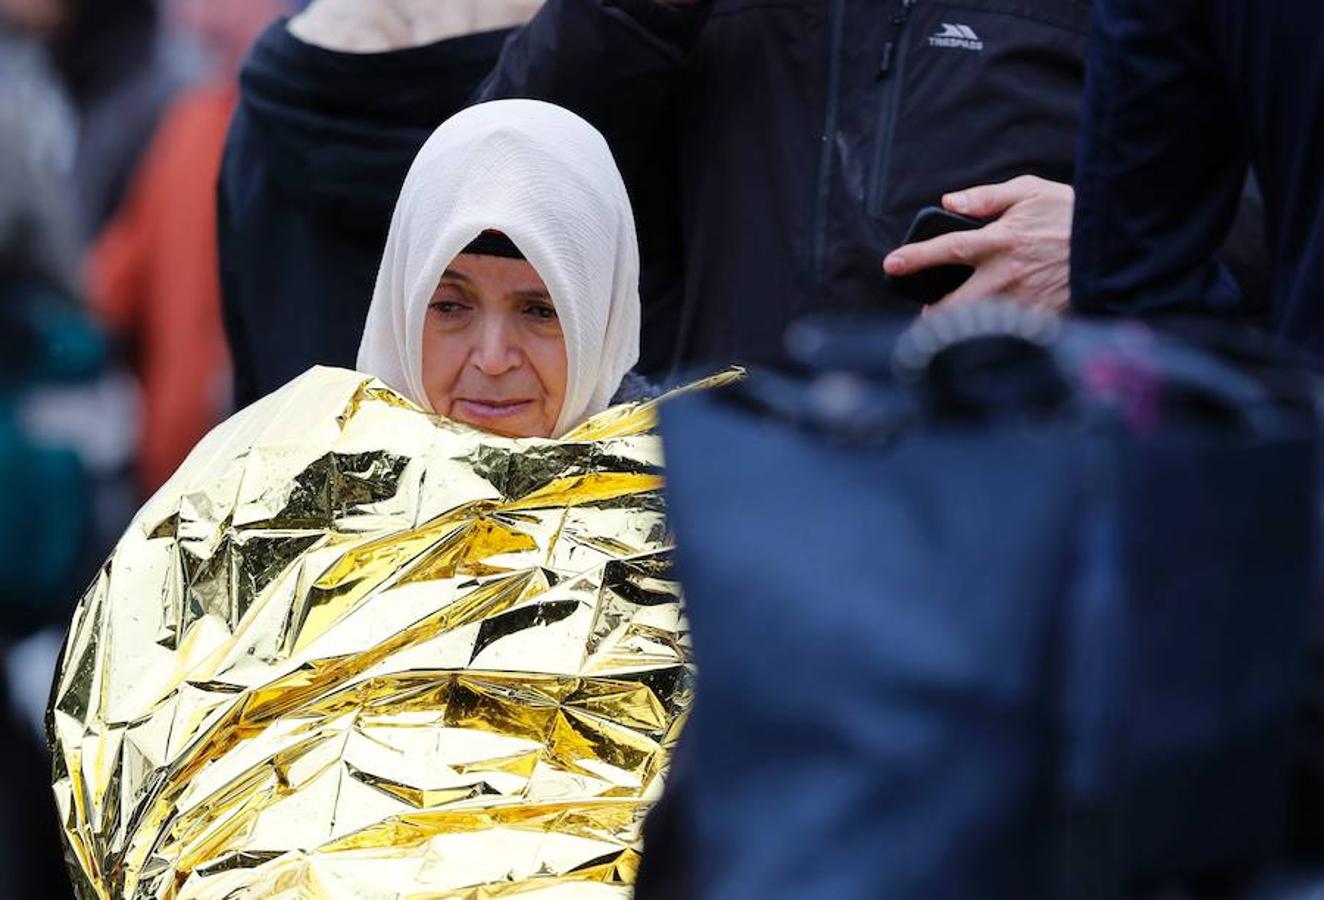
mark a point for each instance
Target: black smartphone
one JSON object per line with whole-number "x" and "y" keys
{"x": 931, "y": 285}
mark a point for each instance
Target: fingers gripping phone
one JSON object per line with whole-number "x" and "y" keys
{"x": 931, "y": 285}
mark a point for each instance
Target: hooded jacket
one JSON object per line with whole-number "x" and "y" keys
{"x": 316, "y": 155}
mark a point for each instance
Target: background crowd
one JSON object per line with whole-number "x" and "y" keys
{"x": 113, "y": 115}
{"x": 176, "y": 243}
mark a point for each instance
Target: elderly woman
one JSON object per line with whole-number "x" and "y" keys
{"x": 407, "y": 631}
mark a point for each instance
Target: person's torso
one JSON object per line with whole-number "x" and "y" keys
{"x": 816, "y": 129}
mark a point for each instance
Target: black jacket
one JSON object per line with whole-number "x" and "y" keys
{"x": 319, "y": 148}
{"x": 777, "y": 150}
{"x": 1184, "y": 96}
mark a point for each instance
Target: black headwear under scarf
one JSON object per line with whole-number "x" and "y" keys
{"x": 493, "y": 243}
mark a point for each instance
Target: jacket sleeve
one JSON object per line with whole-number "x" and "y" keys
{"x": 1161, "y": 166}
{"x": 614, "y": 62}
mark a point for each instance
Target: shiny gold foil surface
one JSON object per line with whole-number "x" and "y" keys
{"x": 354, "y": 650}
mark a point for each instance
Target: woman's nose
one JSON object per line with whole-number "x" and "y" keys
{"x": 497, "y": 350}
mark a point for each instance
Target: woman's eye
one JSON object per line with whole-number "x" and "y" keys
{"x": 542, "y": 312}
{"x": 448, "y": 307}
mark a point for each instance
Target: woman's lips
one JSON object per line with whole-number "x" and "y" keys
{"x": 492, "y": 410}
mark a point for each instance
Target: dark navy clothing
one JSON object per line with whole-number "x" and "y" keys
{"x": 987, "y": 633}
{"x": 319, "y": 148}
{"x": 1183, "y": 97}
{"x": 777, "y": 150}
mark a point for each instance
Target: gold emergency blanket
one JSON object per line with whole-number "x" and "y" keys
{"x": 354, "y": 650}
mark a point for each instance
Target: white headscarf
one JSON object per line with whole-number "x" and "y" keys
{"x": 547, "y": 180}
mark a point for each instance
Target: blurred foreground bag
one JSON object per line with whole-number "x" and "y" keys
{"x": 1007, "y": 609}
{"x": 354, "y": 650}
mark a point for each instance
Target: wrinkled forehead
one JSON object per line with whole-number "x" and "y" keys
{"x": 496, "y": 273}
{"x": 495, "y": 251}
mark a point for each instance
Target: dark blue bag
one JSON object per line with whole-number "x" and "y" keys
{"x": 1020, "y": 613}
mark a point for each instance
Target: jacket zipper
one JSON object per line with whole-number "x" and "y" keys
{"x": 892, "y": 73}
{"x": 836, "y": 27}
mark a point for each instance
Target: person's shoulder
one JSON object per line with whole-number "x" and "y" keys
{"x": 319, "y": 394}
{"x": 302, "y": 418}
{"x": 389, "y": 26}
{"x": 635, "y": 388}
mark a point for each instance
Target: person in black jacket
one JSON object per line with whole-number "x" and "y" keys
{"x": 1184, "y": 97}
{"x": 778, "y": 150}
{"x": 334, "y": 106}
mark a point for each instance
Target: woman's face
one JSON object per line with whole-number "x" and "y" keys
{"x": 493, "y": 352}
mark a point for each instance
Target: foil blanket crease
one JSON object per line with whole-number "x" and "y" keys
{"x": 355, "y": 650}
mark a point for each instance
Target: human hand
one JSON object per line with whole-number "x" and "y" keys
{"x": 1024, "y": 256}
{"x": 376, "y": 26}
